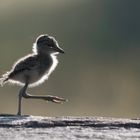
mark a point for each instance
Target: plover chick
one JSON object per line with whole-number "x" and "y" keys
{"x": 35, "y": 68}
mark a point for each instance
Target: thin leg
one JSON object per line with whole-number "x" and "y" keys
{"x": 22, "y": 91}
{"x": 51, "y": 98}
{"x": 19, "y": 104}
{"x": 24, "y": 94}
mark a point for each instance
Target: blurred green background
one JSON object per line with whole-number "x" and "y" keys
{"x": 100, "y": 72}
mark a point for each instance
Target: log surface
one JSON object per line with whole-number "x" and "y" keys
{"x": 38, "y": 127}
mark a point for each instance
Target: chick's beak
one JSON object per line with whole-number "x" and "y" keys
{"x": 60, "y": 50}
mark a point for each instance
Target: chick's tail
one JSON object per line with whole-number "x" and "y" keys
{"x": 4, "y": 78}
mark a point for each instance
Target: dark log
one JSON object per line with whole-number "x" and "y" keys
{"x": 68, "y": 128}
{"x": 7, "y": 120}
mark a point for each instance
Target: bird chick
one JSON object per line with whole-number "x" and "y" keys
{"x": 35, "y": 68}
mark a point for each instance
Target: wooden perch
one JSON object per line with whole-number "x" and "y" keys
{"x": 67, "y": 128}
{"x": 7, "y": 120}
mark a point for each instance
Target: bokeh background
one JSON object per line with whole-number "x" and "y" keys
{"x": 100, "y": 72}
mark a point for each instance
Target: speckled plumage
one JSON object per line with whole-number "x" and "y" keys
{"x": 32, "y": 68}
